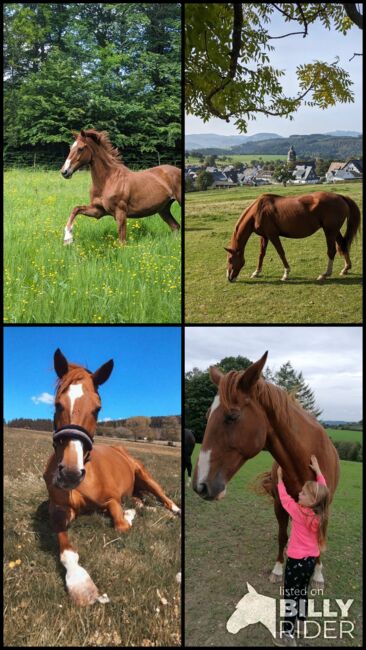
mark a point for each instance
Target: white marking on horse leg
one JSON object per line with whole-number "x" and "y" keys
{"x": 75, "y": 391}
{"x": 256, "y": 274}
{"x": 278, "y": 569}
{"x": 176, "y": 510}
{"x": 328, "y": 272}
{"x": 318, "y": 575}
{"x": 79, "y": 583}
{"x": 130, "y": 515}
{"x": 285, "y": 274}
{"x": 78, "y": 448}
{"x": 189, "y": 481}
{"x": 68, "y": 238}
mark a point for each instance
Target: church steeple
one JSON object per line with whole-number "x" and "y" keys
{"x": 291, "y": 156}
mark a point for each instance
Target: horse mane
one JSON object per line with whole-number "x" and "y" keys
{"x": 274, "y": 399}
{"x": 104, "y": 146}
{"x": 75, "y": 373}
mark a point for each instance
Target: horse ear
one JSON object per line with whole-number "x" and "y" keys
{"x": 60, "y": 363}
{"x": 252, "y": 374}
{"x": 215, "y": 375}
{"x": 94, "y": 136}
{"x": 229, "y": 250}
{"x": 102, "y": 374}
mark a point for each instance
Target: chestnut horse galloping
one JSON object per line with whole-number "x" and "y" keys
{"x": 117, "y": 190}
{"x": 272, "y": 216}
{"x": 81, "y": 478}
{"x": 247, "y": 415}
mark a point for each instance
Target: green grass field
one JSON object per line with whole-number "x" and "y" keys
{"x": 136, "y": 569}
{"x": 345, "y": 435}
{"x": 244, "y": 158}
{"x": 95, "y": 280}
{"x": 210, "y": 218}
{"x": 234, "y": 541}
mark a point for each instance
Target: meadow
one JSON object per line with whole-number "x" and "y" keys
{"x": 234, "y": 541}
{"x": 137, "y": 569}
{"x": 210, "y": 218}
{"x": 94, "y": 280}
{"x": 230, "y": 159}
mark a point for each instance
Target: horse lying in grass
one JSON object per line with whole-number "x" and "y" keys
{"x": 83, "y": 478}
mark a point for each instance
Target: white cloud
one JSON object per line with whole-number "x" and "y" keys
{"x": 43, "y": 398}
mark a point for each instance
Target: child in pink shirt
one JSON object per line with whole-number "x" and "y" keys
{"x": 307, "y": 538}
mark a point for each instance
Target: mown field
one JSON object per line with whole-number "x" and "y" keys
{"x": 94, "y": 280}
{"x": 210, "y": 218}
{"x": 234, "y": 541}
{"x": 137, "y": 570}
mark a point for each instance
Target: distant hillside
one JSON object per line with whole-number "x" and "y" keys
{"x": 315, "y": 145}
{"x": 164, "y": 427}
{"x": 213, "y": 141}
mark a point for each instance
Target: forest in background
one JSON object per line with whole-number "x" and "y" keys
{"x": 113, "y": 67}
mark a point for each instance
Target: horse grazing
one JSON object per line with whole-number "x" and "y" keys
{"x": 272, "y": 216}
{"x": 83, "y": 478}
{"x": 247, "y": 415}
{"x": 117, "y": 190}
{"x": 189, "y": 444}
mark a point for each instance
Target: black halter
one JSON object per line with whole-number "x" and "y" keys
{"x": 73, "y": 431}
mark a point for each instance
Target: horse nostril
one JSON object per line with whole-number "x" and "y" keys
{"x": 82, "y": 473}
{"x": 201, "y": 489}
{"x": 60, "y": 468}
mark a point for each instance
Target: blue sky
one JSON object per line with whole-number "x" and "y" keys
{"x": 146, "y": 379}
{"x": 320, "y": 44}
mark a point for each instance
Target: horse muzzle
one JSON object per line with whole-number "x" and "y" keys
{"x": 66, "y": 173}
{"x": 213, "y": 491}
{"x": 68, "y": 479}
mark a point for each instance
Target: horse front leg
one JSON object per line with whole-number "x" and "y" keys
{"x": 145, "y": 483}
{"x": 89, "y": 211}
{"x": 262, "y": 252}
{"x": 80, "y": 586}
{"x": 282, "y": 518}
{"x": 121, "y": 219}
{"x": 279, "y": 248}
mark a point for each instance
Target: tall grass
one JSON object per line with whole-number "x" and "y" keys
{"x": 95, "y": 280}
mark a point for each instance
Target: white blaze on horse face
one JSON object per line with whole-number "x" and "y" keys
{"x": 203, "y": 469}
{"x": 77, "y": 446}
{"x": 214, "y": 405}
{"x": 75, "y": 391}
{"x": 67, "y": 164}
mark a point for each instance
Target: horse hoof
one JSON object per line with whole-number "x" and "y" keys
{"x": 321, "y": 278}
{"x": 68, "y": 241}
{"x": 275, "y": 578}
{"x": 255, "y": 275}
{"x": 284, "y": 279}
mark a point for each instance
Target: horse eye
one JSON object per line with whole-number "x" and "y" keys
{"x": 81, "y": 149}
{"x": 58, "y": 406}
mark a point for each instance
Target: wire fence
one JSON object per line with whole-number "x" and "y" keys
{"x": 37, "y": 160}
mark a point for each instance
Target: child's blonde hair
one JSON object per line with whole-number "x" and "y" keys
{"x": 319, "y": 494}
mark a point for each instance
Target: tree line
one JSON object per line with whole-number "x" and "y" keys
{"x": 113, "y": 67}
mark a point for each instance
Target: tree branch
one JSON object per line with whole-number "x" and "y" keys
{"x": 353, "y": 13}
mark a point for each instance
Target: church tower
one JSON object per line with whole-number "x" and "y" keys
{"x": 291, "y": 156}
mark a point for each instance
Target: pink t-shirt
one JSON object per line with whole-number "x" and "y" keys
{"x": 303, "y": 540}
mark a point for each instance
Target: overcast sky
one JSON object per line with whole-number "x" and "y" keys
{"x": 322, "y": 45}
{"x": 330, "y": 358}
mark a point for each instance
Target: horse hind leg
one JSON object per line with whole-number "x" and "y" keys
{"x": 331, "y": 250}
{"x": 168, "y": 217}
{"x": 342, "y": 250}
{"x": 145, "y": 483}
{"x": 122, "y": 520}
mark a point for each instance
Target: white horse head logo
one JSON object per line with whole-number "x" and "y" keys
{"x": 253, "y": 608}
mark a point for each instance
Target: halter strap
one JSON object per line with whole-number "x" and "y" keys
{"x": 74, "y": 431}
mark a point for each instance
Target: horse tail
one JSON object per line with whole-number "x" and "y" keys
{"x": 353, "y": 226}
{"x": 262, "y": 484}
